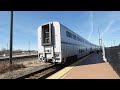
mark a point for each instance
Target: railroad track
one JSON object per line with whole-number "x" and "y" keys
{"x": 19, "y": 57}
{"x": 45, "y": 72}
{"x": 42, "y": 74}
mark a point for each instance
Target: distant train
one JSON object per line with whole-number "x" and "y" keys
{"x": 57, "y": 43}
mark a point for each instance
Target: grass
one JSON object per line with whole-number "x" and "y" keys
{"x": 6, "y": 67}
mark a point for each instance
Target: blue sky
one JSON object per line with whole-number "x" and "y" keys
{"x": 85, "y": 23}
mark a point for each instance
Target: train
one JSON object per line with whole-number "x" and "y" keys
{"x": 57, "y": 44}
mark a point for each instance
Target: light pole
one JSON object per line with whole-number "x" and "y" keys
{"x": 99, "y": 36}
{"x": 0, "y": 46}
{"x": 100, "y": 40}
{"x": 11, "y": 36}
{"x": 7, "y": 46}
{"x": 114, "y": 42}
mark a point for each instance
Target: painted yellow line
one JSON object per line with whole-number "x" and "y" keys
{"x": 65, "y": 70}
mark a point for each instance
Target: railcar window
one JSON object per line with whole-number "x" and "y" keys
{"x": 74, "y": 37}
{"x": 68, "y": 34}
{"x": 82, "y": 40}
{"x": 81, "y": 51}
{"x": 78, "y": 38}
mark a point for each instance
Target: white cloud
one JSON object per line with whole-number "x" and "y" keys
{"x": 91, "y": 24}
{"x": 107, "y": 28}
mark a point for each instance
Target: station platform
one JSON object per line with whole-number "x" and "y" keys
{"x": 89, "y": 67}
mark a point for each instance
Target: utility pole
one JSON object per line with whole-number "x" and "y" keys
{"x": 0, "y": 46}
{"x": 29, "y": 47}
{"x": 99, "y": 36}
{"x": 7, "y": 50}
{"x": 111, "y": 43}
{"x": 100, "y": 40}
{"x": 7, "y": 46}
{"x": 114, "y": 42}
{"x": 11, "y": 36}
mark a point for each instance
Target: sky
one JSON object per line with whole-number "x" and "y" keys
{"x": 84, "y": 23}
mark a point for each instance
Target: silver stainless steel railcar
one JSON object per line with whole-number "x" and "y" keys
{"x": 56, "y": 43}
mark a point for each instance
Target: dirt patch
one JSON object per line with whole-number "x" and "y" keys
{"x": 6, "y": 67}
{"x": 18, "y": 69}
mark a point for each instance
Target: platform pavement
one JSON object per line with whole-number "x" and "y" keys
{"x": 90, "y": 67}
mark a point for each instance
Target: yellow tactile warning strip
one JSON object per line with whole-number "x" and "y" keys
{"x": 65, "y": 70}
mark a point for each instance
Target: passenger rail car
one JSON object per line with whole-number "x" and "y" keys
{"x": 56, "y": 43}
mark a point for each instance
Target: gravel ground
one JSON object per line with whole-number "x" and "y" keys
{"x": 31, "y": 65}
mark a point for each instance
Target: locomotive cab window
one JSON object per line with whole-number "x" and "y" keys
{"x": 46, "y": 34}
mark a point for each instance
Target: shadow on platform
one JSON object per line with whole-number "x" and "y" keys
{"x": 94, "y": 58}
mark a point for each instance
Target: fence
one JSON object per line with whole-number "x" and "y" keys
{"x": 112, "y": 54}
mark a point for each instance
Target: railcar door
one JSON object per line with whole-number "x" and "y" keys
{"x": 47, "y": 42}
